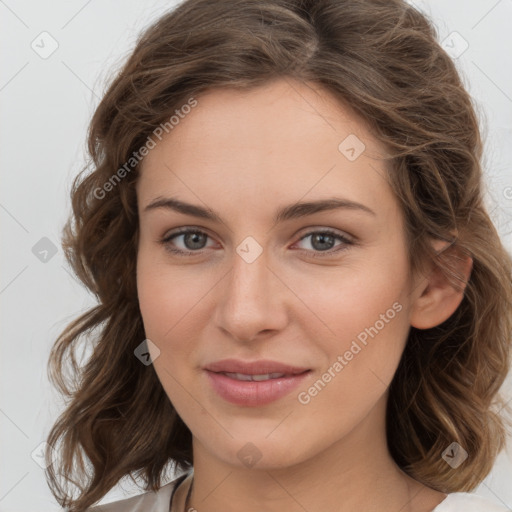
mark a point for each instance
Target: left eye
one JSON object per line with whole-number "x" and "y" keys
{"x": 322, "y": 241}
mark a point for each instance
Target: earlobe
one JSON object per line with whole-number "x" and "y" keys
{"x": 442, "y": 292}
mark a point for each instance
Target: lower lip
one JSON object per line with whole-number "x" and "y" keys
{"x": 253, "y": 393}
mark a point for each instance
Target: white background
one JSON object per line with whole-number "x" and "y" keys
{"x": 46, "y": 105}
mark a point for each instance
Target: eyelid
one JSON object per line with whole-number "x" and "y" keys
{"x": 324, "y": 229}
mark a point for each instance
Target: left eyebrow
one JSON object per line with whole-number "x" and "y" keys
{"x": 293, "y": 211}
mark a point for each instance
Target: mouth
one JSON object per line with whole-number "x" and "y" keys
{"x": 257, "y": 378}
{"x": 253, "y": 384}
{"x": 260, "y": 367}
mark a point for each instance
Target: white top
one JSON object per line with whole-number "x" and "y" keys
{"x": 160, "y": 501}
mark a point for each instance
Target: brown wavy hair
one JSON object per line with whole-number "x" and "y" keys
{"x": 382, "y": 58}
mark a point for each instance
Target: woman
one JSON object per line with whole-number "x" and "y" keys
{"x": 273, "y": 371}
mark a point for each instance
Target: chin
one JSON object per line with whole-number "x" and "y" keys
{"x": 260, "y": 453}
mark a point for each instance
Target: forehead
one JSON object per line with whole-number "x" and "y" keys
{"x": 286, "y": 137}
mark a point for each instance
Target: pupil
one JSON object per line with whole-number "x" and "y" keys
{"x": 321, "y": 238}
{"x": 194, "y": 236}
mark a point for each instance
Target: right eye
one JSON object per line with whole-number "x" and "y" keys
{"x": 192, "y": 237}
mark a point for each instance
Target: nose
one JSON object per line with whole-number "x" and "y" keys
{"x": 252, "y": 302}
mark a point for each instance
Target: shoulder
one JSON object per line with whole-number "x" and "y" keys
{"x": 150, "y": 501}
{"x": 468, "y": 502}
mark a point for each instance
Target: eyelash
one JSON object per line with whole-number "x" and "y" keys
{"x": 316, "y": 254}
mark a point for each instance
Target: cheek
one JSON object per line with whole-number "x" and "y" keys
{"x": 361, "y": 359}
{"x": 167, "y": 295}
{"x": 166, "y": 303}
{"x": 360, "y": 314}
{"x": 343, "y": 302}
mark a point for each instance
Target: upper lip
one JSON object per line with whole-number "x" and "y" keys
{"x": 261, "y": 367}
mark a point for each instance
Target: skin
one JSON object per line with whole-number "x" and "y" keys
{"x": 244, "y": 154}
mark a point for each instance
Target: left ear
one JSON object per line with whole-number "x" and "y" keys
{"x": 440, "y": 296}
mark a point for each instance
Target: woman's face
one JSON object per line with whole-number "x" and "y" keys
{"x": 247, "y": 287}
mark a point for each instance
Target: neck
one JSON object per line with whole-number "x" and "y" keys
{"x": 355, "y": 473}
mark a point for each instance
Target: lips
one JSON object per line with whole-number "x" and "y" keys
{"x": 253, "y": 383}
